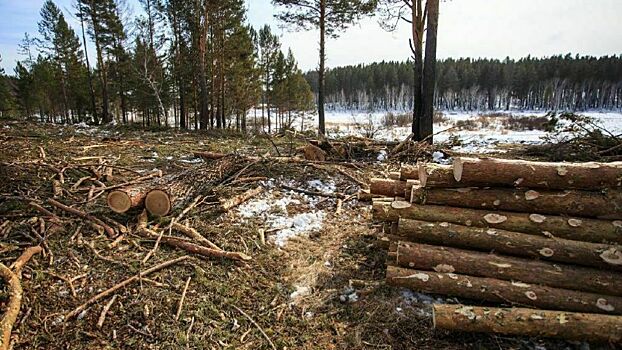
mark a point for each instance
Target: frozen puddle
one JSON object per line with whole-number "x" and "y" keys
{"x": 274, "y": 206}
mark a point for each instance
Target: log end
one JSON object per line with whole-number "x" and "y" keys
{"x": 158, "y": 203}
{"x": 119, "y": 201}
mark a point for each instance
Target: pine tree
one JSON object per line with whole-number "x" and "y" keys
{"x": 269, "y": 48}
{"x": 330, "y": 17}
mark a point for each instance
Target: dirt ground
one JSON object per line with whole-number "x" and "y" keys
{"x": 320, "y": 290}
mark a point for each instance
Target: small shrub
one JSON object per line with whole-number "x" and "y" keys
{"x": 468, "y": 124}
{"x": 517, "y": 123}
{"x": 440, "y": 118}
{"x": 400, "y": 120}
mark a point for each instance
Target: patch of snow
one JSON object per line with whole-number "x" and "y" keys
{"x": 273, "y": 212}
{"x": 382, "y": 156}
{"x": 320, "y": 186}
{"x": 439, "y": 158}
{"x": 155, "y": 155}
{"x": 297, "y": 225}
{"x": 6, "y": 127}
{"x": 83, "y": 125}
{"x": 301, "y": 291}
{"x": 192, "y": 160}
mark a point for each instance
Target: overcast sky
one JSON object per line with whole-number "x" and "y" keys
{"x": 467, "y": 28}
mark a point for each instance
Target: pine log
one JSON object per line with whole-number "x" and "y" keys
{"x": 409, "y": 172}
{"x": 511, "y": 243}
{"x": 521, "y": 173}
{"x": 444, "y": 259}
{"x": 158, "y": 202}
{"x": 208, "y": 155}
{"x": 587, "y": 230}
{"x": 577, "y": 203}
{"x": 529, "y": 322}
{"x": 124, "y": 199}
{"x": 437, "y": 175}
{"x": 388, "y": 187}
{"x": 500, "y": 291}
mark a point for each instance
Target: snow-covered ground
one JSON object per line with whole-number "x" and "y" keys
{"x": 482, "y": 140}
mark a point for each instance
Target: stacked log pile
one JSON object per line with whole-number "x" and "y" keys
{"x": 542, "y": 237}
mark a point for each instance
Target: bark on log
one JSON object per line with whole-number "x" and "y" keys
{"x": 577, "y": 203}
{"x": 436, "y": 175}
{"x": 124, "y": 199}
{"x": 587, "y": 230}
{"x": 500, "y": 291}
{"x": 520, "y": 173}
{"x": 529, "y": 322}
{"x": 409, "y": 172}
{"x": 388, "y": 188}
{"x": 444, "y": 259}
{"x": 511, "y": 243}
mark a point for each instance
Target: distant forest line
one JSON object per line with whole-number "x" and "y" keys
{"x": 568, "y": 82}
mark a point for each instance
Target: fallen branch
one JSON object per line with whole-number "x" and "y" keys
{"x": 14, "y": 304}
{"x": 239, "y": 199}
{"x": 102, "y": 316}
{"x": 192, "y": 233}
{"x": 23, "y": 259}
{"x": 256, "y": 325}
{"x": 314, "y": 193}
{"x": 123, "y": 284}
{"x": 181, "y": 300}
{"x": 83, "y": 215}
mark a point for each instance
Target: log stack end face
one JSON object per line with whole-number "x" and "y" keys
{"x": 158, "y": 203}
{"x": 119, "y": 201}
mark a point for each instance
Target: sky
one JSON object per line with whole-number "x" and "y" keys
{"x": 467, "y": 28}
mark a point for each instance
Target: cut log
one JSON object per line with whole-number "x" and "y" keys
{"x": 500, "y": 291}
{"x": 158, "y": 202}
{"x": 529, "y": 322}
{"x": 436, "y": 175}
{"x": 511, "y": 243}
{"x": 577, "y": 203}
{"x": 409, "y": 172}
{"x": 587, "y": 230}
{"x": 444, "y": 259}
{"x": 388, "y": 187}
{"x": 124, "y": 199}
{"x": 520, "y": 173}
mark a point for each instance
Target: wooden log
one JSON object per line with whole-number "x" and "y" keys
{"x": 500, "y": 291}
{"x": 437, "y": 175}
{"x": 587, "y": 230}
{"x": 511, "y": 243}
{"x": 123, "y": 199}
{"x": 444, "y": 259}
{"x": 208, "y": 155}
{"x": 158, "y": 202}
{"x": 388, "y": 187}
{"x": 529, "y": 322}
{"x": 521, "y": 173}
{"x": 577, "y": 203}
{"x": 409, "y": 172}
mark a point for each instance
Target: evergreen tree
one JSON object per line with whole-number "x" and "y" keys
{"x": 329, "y": 17}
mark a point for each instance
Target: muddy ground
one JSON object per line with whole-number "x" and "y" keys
{"x": 320, "y": 288}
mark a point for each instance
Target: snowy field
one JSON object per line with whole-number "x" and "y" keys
{"x": 482, "y": 140}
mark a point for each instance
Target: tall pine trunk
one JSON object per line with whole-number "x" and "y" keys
{"x": 321, "y": 73}
{"x": 429, "y": 71}
{"x": 417, "y": 40}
